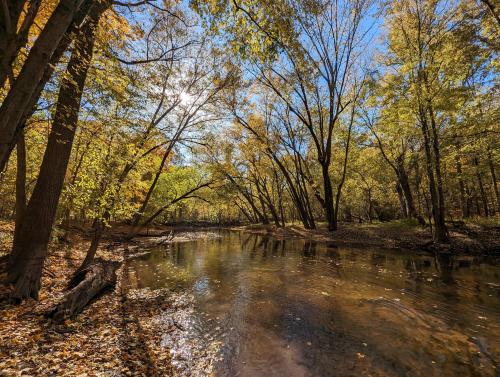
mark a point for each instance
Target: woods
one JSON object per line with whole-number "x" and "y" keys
{"x": 243, "y": 112}
{"x": 289, "y": 169}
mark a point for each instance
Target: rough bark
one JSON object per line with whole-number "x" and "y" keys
{"x": 20, "y": 181}
{"x": 30, "y": 244}
{"x": 85, "y": 285}
{"x": 402, "y": 201}
{"x": 407, "y": 193}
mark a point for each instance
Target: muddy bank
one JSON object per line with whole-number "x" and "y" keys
{"x": 465, "y": 238}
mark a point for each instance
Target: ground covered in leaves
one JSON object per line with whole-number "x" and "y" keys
{"x": 119, "y": 334}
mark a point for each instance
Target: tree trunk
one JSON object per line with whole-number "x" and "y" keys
{"x": 86, "y": 284}
{"x": 484, "y": 198}
{"x": 10, "y": 13}
{"x": 494, "y": 179}
{"x": 402, "y": 201}
{"x": 12, "y": 38}
{"x": 328, "y": 205}
{"x": 94, "y": 244}
{"x": 20, "y": 181}
{"x": 439, "y": 233}
{"x": 30, "y": 246}
{"x": 461, "y": 186}
{"x": 440, "y": 226}
{"x": 407, "y": 193}
{"x": 18, "y": 98}
{"x": 137, "y": 216}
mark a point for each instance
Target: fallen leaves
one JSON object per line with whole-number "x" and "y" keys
{"x": 106, "y": 339}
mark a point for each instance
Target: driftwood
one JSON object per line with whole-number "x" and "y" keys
{"x": 85, "y": 285}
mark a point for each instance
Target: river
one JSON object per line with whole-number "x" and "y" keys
{"x": 261, "y": 306}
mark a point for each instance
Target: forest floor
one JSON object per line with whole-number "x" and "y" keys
{"x": 465, "y": 238}
{"x": 118, "y": 334}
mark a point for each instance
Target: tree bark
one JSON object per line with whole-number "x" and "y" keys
{"x": 86, "y": 284}
{"x": 494, "y": 179}
{"x": 94, "y": 244}
{"x": 407, "y": 193}
{"x": 20, "y": 181}
{"x": 138, "y": 216}
{"x": 461, "y": 187}
{"x": 441, "y": 230}
{"x": 439, "y": 233}
{"x": 328, "y": 204}
{"x": 17, "y": 101}
{"x": 484, "y": 198}
{"x": 12, "y": 38}
{"x": 30, "y": 246}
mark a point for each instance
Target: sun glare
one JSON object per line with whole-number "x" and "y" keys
{"x": 185, "y": 98}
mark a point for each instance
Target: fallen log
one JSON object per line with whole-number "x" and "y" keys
{"x": 84, "y": 286}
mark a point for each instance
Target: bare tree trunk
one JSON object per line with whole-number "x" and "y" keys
{"x": 328, "y": 204}
{"x": 407, "y": 193}
{"x": 30, "y": 246}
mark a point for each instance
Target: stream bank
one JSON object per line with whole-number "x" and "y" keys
{"x": 118, "y": 334}
{"x": 465, "y": 238}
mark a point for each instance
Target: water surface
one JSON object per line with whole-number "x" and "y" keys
{"x": 291, "y": 307}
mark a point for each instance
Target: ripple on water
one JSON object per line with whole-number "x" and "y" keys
{"x": 257, "y": 306}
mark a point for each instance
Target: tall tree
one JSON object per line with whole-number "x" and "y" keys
{"x": 31, "y": 240}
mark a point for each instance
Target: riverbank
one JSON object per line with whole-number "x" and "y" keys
{"x": 117, "y": 334}
{"x": 465, "y": 238}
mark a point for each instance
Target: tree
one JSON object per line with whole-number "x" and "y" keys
{"x": 29, "y": 249}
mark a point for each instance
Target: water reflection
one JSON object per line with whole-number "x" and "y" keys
{"x": 300, "y": 308}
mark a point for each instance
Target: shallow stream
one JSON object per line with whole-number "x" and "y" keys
{"x": 262, "y": 306}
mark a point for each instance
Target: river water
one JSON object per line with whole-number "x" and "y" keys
{"x": 261, "y": 306}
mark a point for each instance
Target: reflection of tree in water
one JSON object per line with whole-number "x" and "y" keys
{"x": 444, "y": 266}
{"x": 309, "y": 249}
{"x": 275, "y": 244}
{"x": 332, "y": 252}
{"x": 262, "y": 245}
